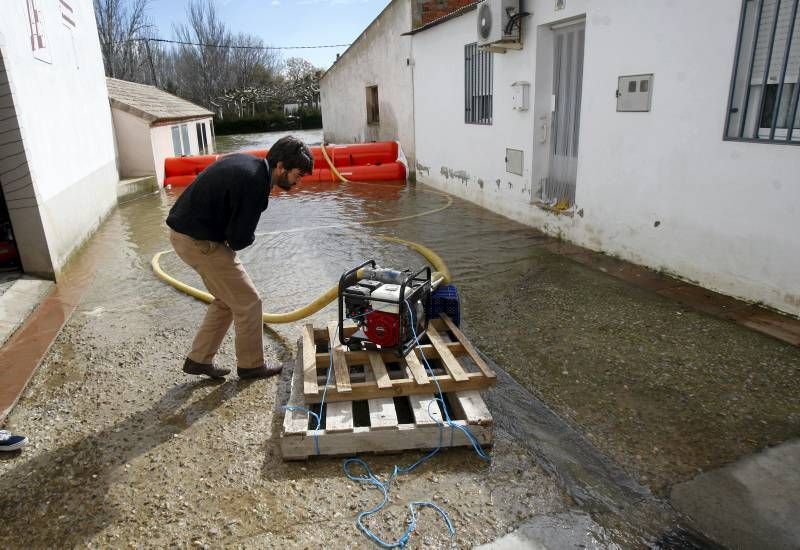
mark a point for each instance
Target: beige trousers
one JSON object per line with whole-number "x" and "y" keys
{"x": 235, "y": 300}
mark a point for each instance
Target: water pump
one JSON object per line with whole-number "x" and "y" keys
{"x": 387, "y": 305}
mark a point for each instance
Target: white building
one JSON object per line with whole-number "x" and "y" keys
{"x": 367, "y": 93}
{"x": 151, "y": 125}
{"x": 57, "y": 162}
{"x": 617, "y": 125}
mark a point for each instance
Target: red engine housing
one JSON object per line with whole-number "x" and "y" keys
{"x": 382, "y": 328}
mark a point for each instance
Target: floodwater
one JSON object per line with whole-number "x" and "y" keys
{"x": 612, "y": 394}
{"x": 241, "y": 142}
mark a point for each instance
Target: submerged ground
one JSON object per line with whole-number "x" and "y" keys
{"x": 127, "y": 449}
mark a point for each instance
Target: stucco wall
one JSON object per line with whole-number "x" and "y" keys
{"x": 133, "y": 145}
{"x": 161, "y": 142}
{"x": 380, "y": 56}
{"x": 61, "y": 107}
{"x": 728, "y": 212}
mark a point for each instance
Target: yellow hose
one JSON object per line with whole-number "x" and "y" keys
{"x": 441, "y": 274}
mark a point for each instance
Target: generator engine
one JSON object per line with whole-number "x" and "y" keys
{"x": 387, "y": 305}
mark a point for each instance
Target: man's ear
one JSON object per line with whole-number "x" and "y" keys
{"x": 279, "y": 165}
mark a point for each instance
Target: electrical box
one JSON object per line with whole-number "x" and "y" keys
{"x": 520, "y": 95}
{"x": 634, "y": 93}
{"x": 514, "y": 161}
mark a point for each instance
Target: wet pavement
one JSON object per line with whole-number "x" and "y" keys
{"x": 644, "y": 392}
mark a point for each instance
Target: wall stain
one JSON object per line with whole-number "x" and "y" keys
{"x": 422, "y": 168}
{"x": 498, "y": 182}
{"x": 461, "y": 175}
{"x": 480, "y": 183}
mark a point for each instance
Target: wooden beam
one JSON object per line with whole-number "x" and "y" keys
{"x": 369, "y": 390}
{"x": 339, "y": 417}
{"x": 417, "y": 369}
{"x": 450, "y": 362}
{"x": 471, "y": 351}
{"x": 309, "y": 361}
{"x": 296, "y": 422}
{"x": 382, "y": 414}
{"x": 340, "y": 369}
{"x": 362, "y": 357}
{"x": 379, "y": 370}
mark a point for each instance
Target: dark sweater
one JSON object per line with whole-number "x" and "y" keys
{"x": 225, "y": 201}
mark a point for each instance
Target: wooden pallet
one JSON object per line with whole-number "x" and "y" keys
{"x": 360, "y": 375}
{"x": 384, "y": 424}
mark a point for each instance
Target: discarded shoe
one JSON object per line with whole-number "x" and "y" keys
{"x": 11, "y": 442}
{"x": 260, "y": 372}
{"x": 192, "y": 367}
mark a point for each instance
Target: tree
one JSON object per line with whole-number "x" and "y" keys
{"x": 302, "y": 81}
{"x": 122, "y": 26}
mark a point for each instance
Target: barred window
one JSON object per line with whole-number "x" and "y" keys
{"x": 766, "y": 83}
{"x": 478, "y": 81}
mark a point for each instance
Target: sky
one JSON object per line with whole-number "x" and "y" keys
{"x": 284, "y": 22}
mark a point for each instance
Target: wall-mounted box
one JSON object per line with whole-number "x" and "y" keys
{"x": 635, "y": 93}
{"x": 514, "y": 161}
{"x": 520, "y": 95}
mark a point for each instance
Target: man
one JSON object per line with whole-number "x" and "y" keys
{"x": 213, "y": 218}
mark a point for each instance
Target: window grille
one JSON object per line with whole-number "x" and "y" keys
{"x": 478, "y": 81}
{"x": 766, "y": 84}
{"x": 67, "y": 14}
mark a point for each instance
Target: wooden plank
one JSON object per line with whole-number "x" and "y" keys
{"x": 450, "y": 362}
{"x": 426, "y": 410}
{"x": 339, "y": 417}
{"x": 417, "y": 369}
{"x": 309, "y": 361}
{"x": 296, "y": 422}
{"x": 471, "y": 408}
{"x": 403, "y": 386}
{"x": 382, "y": 414}
{"x": 470, "y": 349}
{"x": 362, "y": 440}
{"x": 379, "y": 370}
{"x": 356, "y": 357}
{"x": 340, "y": 369}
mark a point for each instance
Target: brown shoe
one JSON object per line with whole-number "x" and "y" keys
{"x": 192, "y": 367}
{"x": 263, "y": 371}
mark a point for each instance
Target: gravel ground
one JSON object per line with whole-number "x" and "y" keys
{"x": 128, "y": 451}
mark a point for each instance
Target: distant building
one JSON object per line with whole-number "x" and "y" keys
{"x": 625, "y": 127}
{"x": 151, "y": 125}
{"x": 58, "y": 172}
{"x": 290, "y": 108}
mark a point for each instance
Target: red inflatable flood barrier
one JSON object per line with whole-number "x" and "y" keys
{"x": 378, "y": 161}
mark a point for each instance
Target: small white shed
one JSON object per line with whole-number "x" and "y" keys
{"x": 151, "y": 125}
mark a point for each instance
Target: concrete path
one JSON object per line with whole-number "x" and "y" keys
{"x": 754, "y": 503}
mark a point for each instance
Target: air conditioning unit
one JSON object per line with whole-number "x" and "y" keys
{"x": 499, "y": 23}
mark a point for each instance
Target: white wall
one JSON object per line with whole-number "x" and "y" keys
{"x": 729, "y": 212}
{"x": 134, "y": 148}
{"x": 161, "y": 142}
{"x": 62, "y": 109}
{"x": 379, "y": 57}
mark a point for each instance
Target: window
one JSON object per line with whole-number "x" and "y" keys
{"x": 202, "y": 138}
{"x": 764, "y": 87}
{"x": 373, "y": 110}
{"x": 477, "y": 85}
{"x": 176, "y": 141}
{"x": 67, "y": 14}
{"x": 37, "y": 30}
{"x": 187, "y": 149}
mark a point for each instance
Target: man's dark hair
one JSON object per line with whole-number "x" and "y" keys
{"x": 293, "y": 153}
